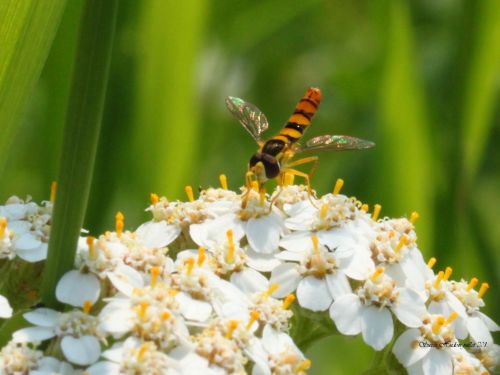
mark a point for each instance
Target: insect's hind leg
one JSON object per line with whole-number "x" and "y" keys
{"x": 310, "y": 159}
{"x": 306, "y": 177}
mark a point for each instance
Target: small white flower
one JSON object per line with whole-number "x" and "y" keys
{"x": 276, "y": 353}
{"x": 368, "y": 309}
{"x": 17, "y": 358}
{"x": 86, "y": 284}
{"x": 78, "y": 331}
{"x": 427, "y": 349}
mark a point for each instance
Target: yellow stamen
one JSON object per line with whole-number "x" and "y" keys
{"x": 165, "y": 315}
{"x": 376, "y": 211}
{"x": 302, "y": 366}
{"x": 447, "y": 273}
{"x": 190, "y": 265}
{"x": 53, "y": 189}
{"x": 189, "y": 192}
{"x": 379, "y": 271}
{"x": 155, "y": 272}
{"x": 314, "y": 239}
{"x": 439, "y": 278}
{"x": 154, "y": 198}
{"x": 288, "y": 301}
{"x": 452, "y": 317}
{"x": 172, "y": 292}
{"x": 483, "y": 289}
{"x": 472, "y": 284}
{"x": 119, "y": 223}
{"x": 262, "y": 194}
{"x": 431, "y": 262}
{"x": 248, "y": 179}
{"x": 402, "y": 242}
{"x": 365, "y": 207}
{"x": 338, "y": 185}
{"x": 232, "y": 325}
{"x": 87, "y": 305}
{"x": 90, "y": 244}
{"x": 271, "y": 290}
{"x": 143, "y": 306}
{"x": 323, "y": 212}
{"x": 255, "y": 185}
{"x": 414, "y": 217}
{"x": 230, "y": 246}
{"x": 223, "y": 181}
{"x": 436, "y": 327}
{"x": 289, "y": 179}
{"x": 141, "y": 351}
{"x": 254, "y": 316}
{"x": 3, "y": 226}
{"x": 201, "y": 256}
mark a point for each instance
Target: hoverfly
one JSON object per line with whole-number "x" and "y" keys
{"x": 273, "y": 158}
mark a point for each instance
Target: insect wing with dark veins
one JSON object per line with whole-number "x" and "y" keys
{"x": 251, "y": 117}
{"x": 335, "y": 143}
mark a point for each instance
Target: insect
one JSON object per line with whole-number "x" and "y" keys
{"x": 273, "y": 160}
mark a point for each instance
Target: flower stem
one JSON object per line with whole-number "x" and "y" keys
{"x": 83, "y": 123}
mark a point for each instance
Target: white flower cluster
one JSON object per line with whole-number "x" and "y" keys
{"x": 210, "y": 286}
{"x": 24, "y": 229}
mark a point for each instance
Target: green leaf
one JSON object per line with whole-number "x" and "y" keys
{"x": 481, "y": 87}
{"x": 83, "y": 123}
{"x": 27, "y": 29}
{"x": 404, "y": 152}
{"x": 166, "y": 129}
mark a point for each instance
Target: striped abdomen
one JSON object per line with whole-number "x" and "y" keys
{"x": 297, "y": 123}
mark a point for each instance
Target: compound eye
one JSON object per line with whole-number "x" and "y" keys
{"x": 272, "y": 166}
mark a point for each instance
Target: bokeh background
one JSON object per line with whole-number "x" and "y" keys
{"x": 419, "y": 78}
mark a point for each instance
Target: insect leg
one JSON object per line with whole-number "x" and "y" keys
{"x": 303, "y": 175}
{"x": 249, "y": 178}
{"x": 310, "y": 159}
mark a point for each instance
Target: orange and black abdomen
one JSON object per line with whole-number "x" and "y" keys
{"x": 301, "y": 117}
{"x": 297, "y": 123}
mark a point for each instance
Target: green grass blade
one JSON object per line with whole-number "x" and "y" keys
{"x": 481, "y": 88}
{"x": 27, "y": 29}
{"x": 83, "y": 122}
{"x": 404, "y": 151}
{"x": 166, "y": 133}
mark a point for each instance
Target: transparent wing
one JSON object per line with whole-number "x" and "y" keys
{"x": 335, "y": 143}
{"x": 252, "y": 119}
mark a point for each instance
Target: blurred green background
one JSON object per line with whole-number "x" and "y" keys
{"x": 419, "y": 78}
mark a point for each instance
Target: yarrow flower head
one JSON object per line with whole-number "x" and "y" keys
{"x": 228, "y": 282}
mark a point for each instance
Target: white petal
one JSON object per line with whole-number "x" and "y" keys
{"x": 125, "y": 279}
{"x": 261, "y": 262}
{"x": 27, "y": 242}
{"x": 437, "y": 362}
{"x": 407, "y": 349}
{"x": 117, "y": 317}
{"x": 157, "y": 234}
{"x": 75, "y": 288}
{"x": 193, "y": 309}
{"x": 377, "y": 326}
{"x": 410, "y": 309}
{"x": 340, "y": 241}
{"x": 359, "y": 265}
{"x": 346, "y": 313}
{"x": 287, "y": 277}
{"x": 33, "y": 334}
{"x": 43, "y": 317}
{"x": 290, "y": 256}
{"x": 81, "y": 351}
{"x": 263, "y": 234}
{"x": 34, "y": 254}
{"x": 276, "y": 342}
{"x": 250, "y": 281}
{"x": 338, "y": 285}
{"x": 313, "y": 294}
{"x": 455, "y": 304}
{"x": 104, "y": 367}
{"x": 19, "y": 227}
{"x": 414, "y": 277}
{"x": 298, "y": 242}
{"x": 490, "y": 323}
{"x": 212, "y": 231}
{"x": 478, "y": 330}
{"x": 5, "y": 309}
{"x": 303, "y": 216}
